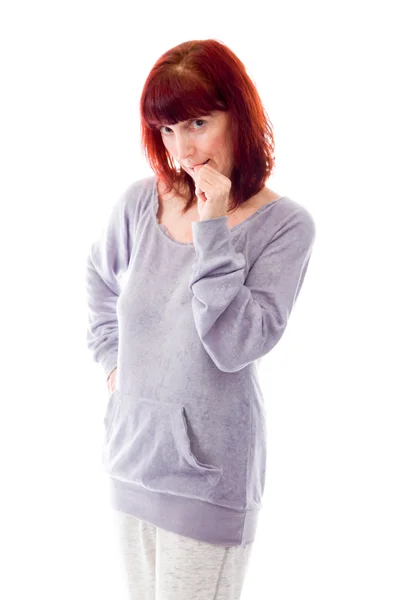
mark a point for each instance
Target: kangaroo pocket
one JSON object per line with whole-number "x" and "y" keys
{"x": 147, "y": 443}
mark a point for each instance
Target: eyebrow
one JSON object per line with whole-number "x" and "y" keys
{"x": 193, "y": 118}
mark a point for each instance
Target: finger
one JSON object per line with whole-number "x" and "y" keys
{"x": 201, "y": 196}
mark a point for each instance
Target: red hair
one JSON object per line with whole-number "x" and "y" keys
{"x": 191, "y": 80}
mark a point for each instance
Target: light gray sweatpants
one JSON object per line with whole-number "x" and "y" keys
{"x": 161, "y": 565}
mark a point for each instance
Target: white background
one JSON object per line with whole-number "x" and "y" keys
{"x": 71, "y": 76}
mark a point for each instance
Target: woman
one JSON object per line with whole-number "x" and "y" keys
{"x": 189, "y": 285}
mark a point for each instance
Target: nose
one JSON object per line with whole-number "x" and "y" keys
{"x": 183, "y": 148}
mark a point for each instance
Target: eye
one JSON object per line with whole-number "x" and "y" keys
{"x": 162, "y": 127}
{"x": 166, "y": 126}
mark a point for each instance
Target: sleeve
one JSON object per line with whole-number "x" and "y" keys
{"x": 106, "y": 264}
{"x": 240, "y": 320}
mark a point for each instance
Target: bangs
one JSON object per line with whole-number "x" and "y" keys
{"x": 172, "y": 99}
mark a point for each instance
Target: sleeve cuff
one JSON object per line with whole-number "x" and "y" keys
{"x": 109, "y": 362}
{"x": 212, "y": 237}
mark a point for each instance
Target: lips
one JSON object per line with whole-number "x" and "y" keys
{"x": 204, "y": 163}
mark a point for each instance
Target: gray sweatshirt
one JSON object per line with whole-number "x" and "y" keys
{"x": 186, "y": 325}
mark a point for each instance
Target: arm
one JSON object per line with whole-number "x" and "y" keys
{"x": 106, "y": 263}
{"x": 238, "y": 320}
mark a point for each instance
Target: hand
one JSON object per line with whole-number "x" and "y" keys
{"x": 212, "y": 191}
{"x": 111, "y": 380}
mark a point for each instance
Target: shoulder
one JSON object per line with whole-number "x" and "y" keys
{"x": 285, "y": 219}
{"x": 135, "y": 191}
{"x": 294, "y": 220}
{"x": 135, "y": 197}
{"x": 285, "y": 211}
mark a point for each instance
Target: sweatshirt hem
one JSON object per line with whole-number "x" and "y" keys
{"x": 190, "y": 517}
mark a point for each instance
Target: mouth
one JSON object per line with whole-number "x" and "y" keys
{"x": 192, "y": 170}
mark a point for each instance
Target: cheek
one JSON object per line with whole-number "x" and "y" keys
{"x": 168, "y": 146}
{"x": 218, "y": 146}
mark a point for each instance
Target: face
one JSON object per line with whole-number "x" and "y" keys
{"x": 199, "y": 140}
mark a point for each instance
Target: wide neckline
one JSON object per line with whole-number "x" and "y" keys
{"x": 163, "y": 230}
